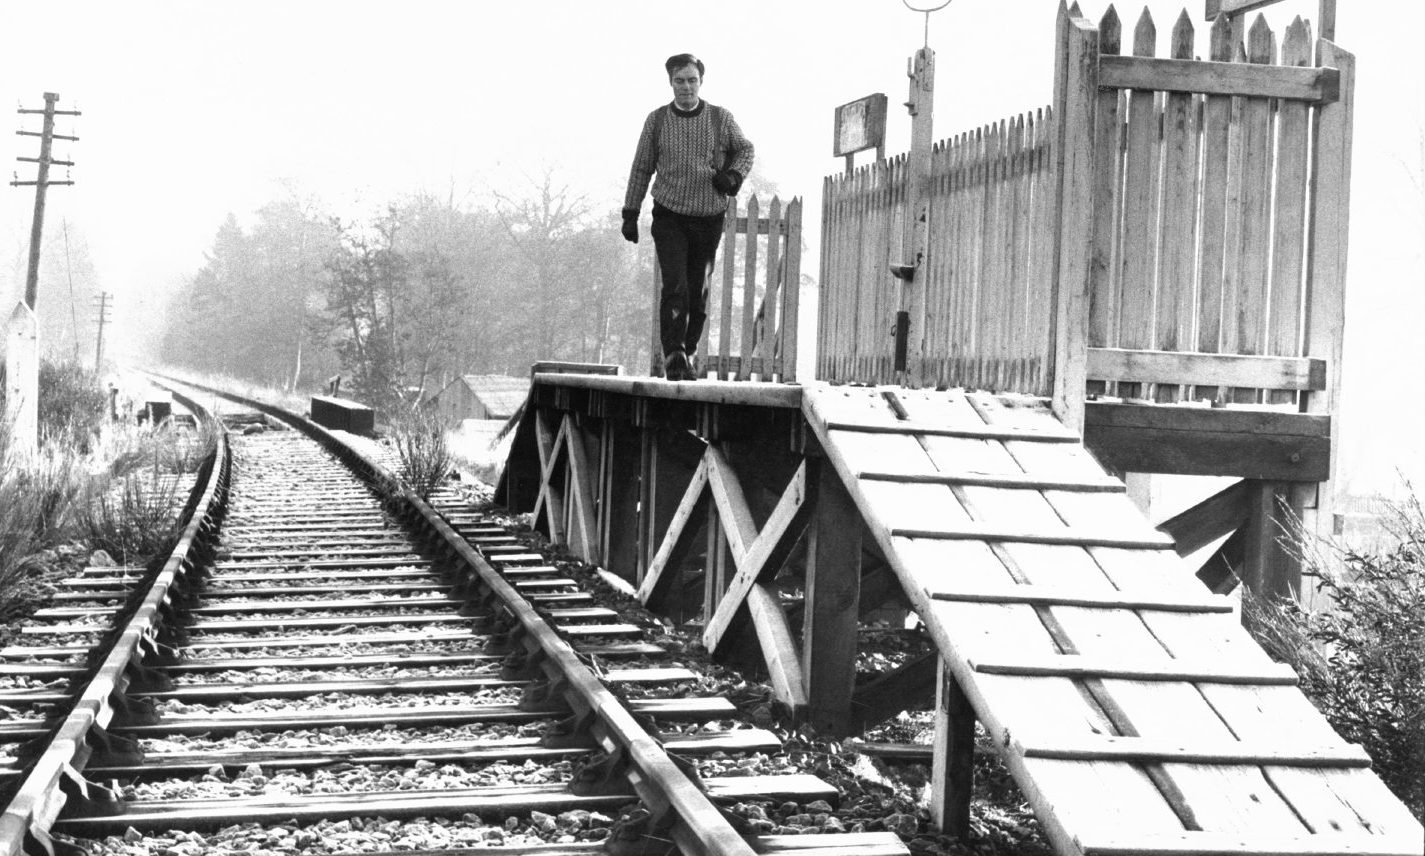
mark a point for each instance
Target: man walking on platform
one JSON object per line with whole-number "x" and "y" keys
{"x": 700, "y": 157}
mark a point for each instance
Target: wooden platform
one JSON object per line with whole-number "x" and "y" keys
{"x": 1132, "y": 708}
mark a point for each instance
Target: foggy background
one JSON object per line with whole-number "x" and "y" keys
{"x": 491, "y": 142}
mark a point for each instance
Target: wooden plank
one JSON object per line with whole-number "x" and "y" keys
{"x": 1081, "y": 667}
{"x": 1219, "y": 515}
{"x": 1076, "y": 92}
{"x": 952, "y": 775}
{"x": 1289, "y": 216}
{"x": 1021, "y": 481}
{"x": 1247, "y": 844}
{"x": 678, "y": 536}
{"x": 584, "y": 531}
{"x": 1177, "y": 232}
{"x": 746, "y": 342}
{"x": 1047, "y": 596}
{"x": 1203, "y": 441}
{"x": 1294, "y": 373}
{"x": 1216, "y": 155}
{"x": 987, "y": 432}
{"x": 778, "y": 648}
{"x": 833, "y": 588}
{"x": 761, "y": 555}
{"x": 1307, "y": 85}
{"x": 1145, "y": 750}
{"x": 1224, "y": 9}
{"x": 1105, "y": 268}
{"x": 619, "y": 509}
{"x": 844, "y": 844}
{"x": 1326, "y": 254}
{"x": 551, "y": 497}
{"x": 791, "y": 317}
{"x": 730, "y": 231}
{"x": 1258, "y": 163}
{"x": 1271, "y": 565}
{"x": 1078, "y": 537}
{"x": 709, "y": 392}
{"x": 768, "y": 344}
{"x": 731, "y": 503}
{"x": 1140, "y": 209}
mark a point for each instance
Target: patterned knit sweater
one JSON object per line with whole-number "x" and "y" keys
{"x": 684, "y": 160}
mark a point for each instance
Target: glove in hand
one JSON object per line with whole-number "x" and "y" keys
{"x": 728, "y": 182}
{"x": 630, "y": 227}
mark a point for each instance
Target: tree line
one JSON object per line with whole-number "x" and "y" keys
{"x": 404, "y": 301}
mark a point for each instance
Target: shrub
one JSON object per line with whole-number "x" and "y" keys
{"x": 133, "y": 517}
{"x": 1362, "y": 659}
{"x": 72, "y": 405}
{"x": 420, "y": 438}
{"x": 37, "y": 492}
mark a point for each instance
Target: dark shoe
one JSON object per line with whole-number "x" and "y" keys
{"x": 675, "y": 366}
{"x": 691, "y": 372}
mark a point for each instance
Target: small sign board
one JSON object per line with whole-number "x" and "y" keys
{"x": 860, "y": 125}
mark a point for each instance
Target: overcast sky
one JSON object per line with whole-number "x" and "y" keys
{"x": 193, "y": 110}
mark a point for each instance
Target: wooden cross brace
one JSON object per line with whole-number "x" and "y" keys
{"x": 757, "y": 555}
{"x": 555, "y": 448}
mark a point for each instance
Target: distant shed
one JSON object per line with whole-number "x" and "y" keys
{"x": 480, "y": 397}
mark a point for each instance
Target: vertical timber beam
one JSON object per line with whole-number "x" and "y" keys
{"x": 833, "y": 589}
{"x": 619, "y": 509}
{"x": 1326, "y": 255}
{"x": 1075, "y": 93}
{"x": 551, "y": 489}
{"x": 953, "y": 768}
{"x": 1270, "y": 567}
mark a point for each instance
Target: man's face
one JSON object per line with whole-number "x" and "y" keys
{"x": 685, "y": 82}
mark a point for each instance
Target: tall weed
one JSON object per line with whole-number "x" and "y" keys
{"x": 426, "y": 458}
{"x": 1362, "y": 659}
{"x": 131, "y": 517}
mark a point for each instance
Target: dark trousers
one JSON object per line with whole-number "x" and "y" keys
{"x": 686, "y": 247}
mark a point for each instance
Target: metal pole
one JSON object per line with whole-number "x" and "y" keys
{"x": 32, "y": 278}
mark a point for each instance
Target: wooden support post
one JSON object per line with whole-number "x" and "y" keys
{"x": 619, "y": 509}
{"x": 833, "y": 588}
{"x": 1270, "y": 567}
{"x": 1075, "y": 94}
{"x": 1325, "y": 302}
{"x": 583, "y": 519}
{"x": 952, "y": 778}
{"x": 673, "y": 514}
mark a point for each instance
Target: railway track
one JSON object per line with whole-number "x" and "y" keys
{"x": 326, "y": 663}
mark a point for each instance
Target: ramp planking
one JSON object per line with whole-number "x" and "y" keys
{"x": 1135, "y": 712}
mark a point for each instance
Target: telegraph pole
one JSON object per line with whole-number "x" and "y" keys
{"x": 41, "y": 183}
{"x": 22, "y": 342}
{"x": 103, "y": 305}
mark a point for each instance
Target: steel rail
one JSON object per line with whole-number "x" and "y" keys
{"x": 56, "y": 775}
{"x": 679, "y": 805}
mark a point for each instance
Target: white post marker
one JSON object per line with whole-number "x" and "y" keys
{"x": 22, "y": 378}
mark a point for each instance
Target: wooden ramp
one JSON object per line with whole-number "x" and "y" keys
{"x": 1132, "y": 708}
